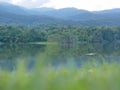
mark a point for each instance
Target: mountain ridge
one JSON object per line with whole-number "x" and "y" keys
{"x": 13, "y": 14}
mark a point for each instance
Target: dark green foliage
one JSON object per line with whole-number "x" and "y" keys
{"x": 75, "y": 34}
{"x": 62, "y": 34}
{"x": 20, "y": 34}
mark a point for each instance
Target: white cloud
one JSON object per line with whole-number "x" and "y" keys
{"x": 27, "y": 3}
{"x": 30, "y": 3}
{"x": 85, "y": 4}
{"x": 81, "y": 4}
{"x": 5, "y": 0}
{"x": 16, "y": 1}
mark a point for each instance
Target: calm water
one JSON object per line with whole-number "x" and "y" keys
{"x": 10, "y": 55}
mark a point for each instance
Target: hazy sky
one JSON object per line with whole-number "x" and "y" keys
{"x": 81, "y": 4}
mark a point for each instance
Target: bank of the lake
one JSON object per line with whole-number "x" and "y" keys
{"x": 91, "y": 76}
{"x": 59, "y": 68}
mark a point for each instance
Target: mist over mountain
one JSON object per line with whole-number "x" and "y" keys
{"x": 10, "y": 13}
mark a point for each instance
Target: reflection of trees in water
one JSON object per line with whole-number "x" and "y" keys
{"x": 10, "y": 52}
{"x": 79, "y": 53}
{"x": 98, "y": 48}
{"x": 108, "y": 49}
{"x": 58, "y": 55}
{"x": 13, "y": 52}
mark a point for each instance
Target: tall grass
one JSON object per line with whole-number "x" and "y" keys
{"x": 91, "y": 76}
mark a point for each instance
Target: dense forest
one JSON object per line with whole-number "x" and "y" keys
{"x": 63, "y": 34}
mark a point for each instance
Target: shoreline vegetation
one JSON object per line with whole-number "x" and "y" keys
{"x": 16, "y": 34}
{"x": 90, "y": 76}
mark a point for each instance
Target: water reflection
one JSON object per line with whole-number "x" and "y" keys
{"x": 87, "y": 52}
{"x": 10, "y": 54}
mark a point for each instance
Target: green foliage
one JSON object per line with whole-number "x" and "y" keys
{"x": 75, "y": 34}
{"x": 90, "y": 76}
{"x": 62, "y": 34}
{"x": 20, "y": 34}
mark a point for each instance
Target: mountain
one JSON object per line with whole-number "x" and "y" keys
{"x": 115, "y": 10}
{"x": 7, "y": 7}
{"x": 9, "y": 18}
{"x": 10, "y": 13}
{"x": 39, "y": 11}
{"x": 65, "y": 13}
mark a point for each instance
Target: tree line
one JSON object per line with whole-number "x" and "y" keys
{"x": 63, "y": 34}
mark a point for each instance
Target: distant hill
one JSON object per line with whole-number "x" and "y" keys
{"x": 10, "y": 18}
{"x": 109, "y": 11}
{"x": 66, "y": 13}
{"x": 10, "y": 13}
{"x": 7, "y": 7}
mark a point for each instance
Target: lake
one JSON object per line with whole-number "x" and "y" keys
{"x": 10, "y": 55}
